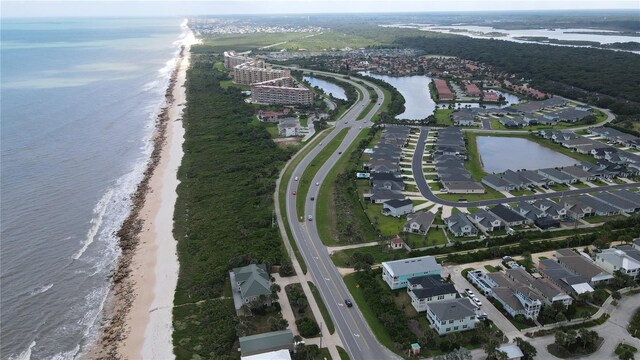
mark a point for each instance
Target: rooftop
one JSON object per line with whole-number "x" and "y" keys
{"x": 412, "y": 265}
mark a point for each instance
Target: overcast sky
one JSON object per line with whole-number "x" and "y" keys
{"x": 35, "y": 8}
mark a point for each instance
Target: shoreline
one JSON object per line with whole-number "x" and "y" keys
{"x": 138, "y": 312}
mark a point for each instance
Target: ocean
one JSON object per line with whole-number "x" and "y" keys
{"x": 79, "y": 99}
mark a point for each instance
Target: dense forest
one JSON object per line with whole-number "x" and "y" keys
{"x": 223, "y": 216}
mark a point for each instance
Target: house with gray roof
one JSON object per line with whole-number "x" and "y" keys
{"x": 397, "y": 208}
{"x": 450, "y": 316}
{"x": 459, "y": 225}
{"x": 555, "y": 211}
{"x": 557, "y": 176}
{"x": 497, "y": 183}
{"x": 598, "y": 206}
{"x": 386, "y": 181}
{"x": 508, "y": 216}
{"x": 266, "y": 342}
{"x": 511, "y": 351}
{"x": 429, "y": 288}
{"x": 383, "y": 166}
{"x": 532, "y": 177}
{"x": 516, "y": 298}
{"x": 419, "y": 223}
{"x": 381, "y": 195}
{"x": 575, "y": 207}
{"x": 530, "y": 212}
{"x": 549, "y": 292}
{"x": 515, "y": 179}
{"x": 628, "y": 195}
{"x": 485, "y": 221}
{"x": 462, "y": 187}
{"x": 566, "y": 279}
{"x": 618, "y": 203}
{"x": 251, "y": 282}
{"x": 582, "y": 266}
{"x": 396, "y": 273}
{"x": 578, "y": 173}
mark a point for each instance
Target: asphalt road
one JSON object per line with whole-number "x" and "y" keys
{"x": 356, "y": 336}
{"x": 422, "y": 185}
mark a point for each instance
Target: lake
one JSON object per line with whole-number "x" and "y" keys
{"x": 499, "y": 154}
{"x": 415, "y": 90}
{"x": 329, "y": 88}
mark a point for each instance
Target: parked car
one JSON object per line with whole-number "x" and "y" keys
{"x": 482, "y": 316}
{"x": 476, "y": 301}
{"x": 348, "y": 302}
{"x": 469, "y": 292}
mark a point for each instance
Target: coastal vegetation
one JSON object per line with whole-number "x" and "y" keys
{"x": 224, "y": 212}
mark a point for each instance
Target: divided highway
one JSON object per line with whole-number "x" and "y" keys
{"x": 356, "y": 336}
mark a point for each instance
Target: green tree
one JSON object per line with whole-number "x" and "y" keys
{"x": 277, "y": 323}
{"x": 528, "y": 350}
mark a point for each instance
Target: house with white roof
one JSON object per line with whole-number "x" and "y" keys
{"x": 612, "y": 260}
{"x": 396, "y": 273}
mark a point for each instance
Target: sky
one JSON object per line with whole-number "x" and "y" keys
{"x": 55, "y": 8}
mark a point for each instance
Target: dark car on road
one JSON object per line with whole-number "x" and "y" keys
{"x": 348, "y": 303}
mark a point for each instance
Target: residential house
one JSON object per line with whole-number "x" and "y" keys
{"x": 381, "y": 195}
{"x": 599, "y": 207}
{"x": 397, "y": 208}
{"x": 289, "y": 128}
{"x": 621, "y": 204}
{"x": 548, "y": 292}
{"x": 612, "y": 260}
{"x": 450, "y": 316}
{"x": 251, "y": 282}
{"x": 566, "y": 279}
{"x": 459, "y": 225}
{"x": 485, "y": 221}
{"x": 575, "y": 208}
{"x": 515, "y": 179}
{"x": 396, "y": 273}
{"x": 511, "y": 352}
{"x": 272, "y": 355}
{"x": 396, "y": 243}
{"x": 266, "y": 342}
{"x": 498, "y": 183}
{"x": 516, "y": 298}
{"x": 532, "y": 177}
{"x": 429, "y": 288}
{"x": 582, "y": 266}
{"x": 557, "y": 176}
{"x": 529, "y": 212}
{"x": 386, "y": 181}
{"x": 508, "y": 216}
{"x": 419, "y": 223}
{"x": 578, "y": 173}
{"x": 462, "y": 187}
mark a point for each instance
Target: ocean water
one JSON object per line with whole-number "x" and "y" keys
{"x": 78, "y": 104}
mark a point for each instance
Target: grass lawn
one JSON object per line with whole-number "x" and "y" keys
{"x": 323, "y": 308}
{"x": 229, "y": 83}
{"x": 376, "y": 326}
{"x": 326, "y": 40}
{"x": 443, "y": 117}
{"x": 521, "y": 192}
{"x": 496, "y": 125}
{"x": 598, "y": 219}
{"x": 325, "y": 211}
{"x": 434, "y": 237}
{"x": 598, "y": 183}
{"x": 304, "y": 121}
{"x": 380, "y": 253}
{"x": 622, "y": 347}
{"x": 490, "y": 268}
{"x": 558, "y": 187}
{"x": 272, "y": 129}
{"x": 385, "y": 104}
{"x": 343, "y": 353}
{"x": 580, "y": 185}
{"x": 387, "y": 225}
{"x": 314, "y": 166}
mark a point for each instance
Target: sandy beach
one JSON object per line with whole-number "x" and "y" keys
{"x": 140, "y": 309}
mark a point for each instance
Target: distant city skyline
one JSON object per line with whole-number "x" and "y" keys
{"x": 54, "y": 8}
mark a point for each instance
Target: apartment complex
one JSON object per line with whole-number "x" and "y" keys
{"x": 280, "y": 91}
{"x": 257, "y": 71}
{"x": 232, "y": 59}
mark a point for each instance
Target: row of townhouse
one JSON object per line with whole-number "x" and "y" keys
{"x": 607, "y": 203}
{"x": 385, "y": 174}
{"x": 445, "y": 309}
{"x": 499, "y": 217}
{"x": 615, "y": 161}
{"x": 449, "y": 155}
{"x": 617, "y": 136}
{"x": 576, "y": 273}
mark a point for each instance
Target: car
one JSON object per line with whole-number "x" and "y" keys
{"x": 482, "y": 316}
{"x": 348, "y": 302}
{"x": 293, "y": 193}
{"x": 462, "y": 200}
{"x": 312, "y": 198}
{"x": 544, "y": 187}
{"x": 317, "y": 184}
{"x": 339, "y": 152}
{"x": 320, "y": 142}
{"x": 296, "y": 178}
{"x": 476, "y": 301}
{"x": 469, "y": 292}
{"x": 310, "y": 217}
{"x": 346, "y": 122}
{"x": 360, "y": 127}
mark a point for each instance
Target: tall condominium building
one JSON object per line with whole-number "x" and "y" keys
{"x": 255, "y": 72}
{"x": 232, "y": 59}
{"x": 280, "y": 91}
